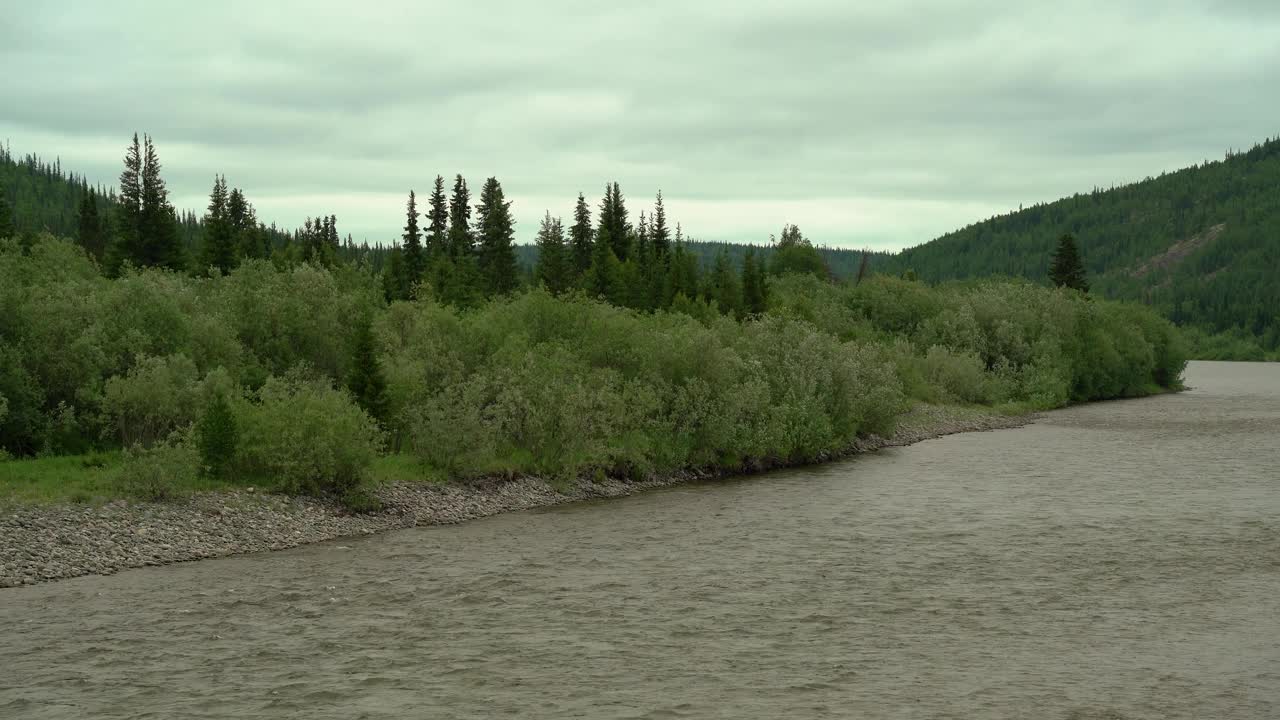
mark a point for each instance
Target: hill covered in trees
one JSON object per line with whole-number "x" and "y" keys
{"x": 1201, "y": 245}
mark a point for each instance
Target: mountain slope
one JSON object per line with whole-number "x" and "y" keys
{"x": 1201, "y": 244}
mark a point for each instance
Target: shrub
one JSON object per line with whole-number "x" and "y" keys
{"x": 959, "y": 375}
{"x": 306, "y": 437}
{"x": 217, "y": 437}
{"x": 162, "y": 472}
{"x": 156, "y": 397}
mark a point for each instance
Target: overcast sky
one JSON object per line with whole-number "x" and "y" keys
{"x": 868, "y": 123}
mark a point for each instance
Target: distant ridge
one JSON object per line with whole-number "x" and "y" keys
{"x": 1201, "y": 244}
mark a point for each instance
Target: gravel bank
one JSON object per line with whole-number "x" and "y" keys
{"x": 41, "y": 544}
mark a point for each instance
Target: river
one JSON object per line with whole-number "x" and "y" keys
{"x": 1115, "y": 560}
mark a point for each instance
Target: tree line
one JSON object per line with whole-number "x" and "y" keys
{"x": 456, "y": 251}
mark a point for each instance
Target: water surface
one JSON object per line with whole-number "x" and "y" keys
{"x": 1117, "y": 560}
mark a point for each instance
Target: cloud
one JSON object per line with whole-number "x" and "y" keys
{"x": 880, "y": 124}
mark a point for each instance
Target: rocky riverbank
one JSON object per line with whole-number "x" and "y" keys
{"x": 41, "y": 544}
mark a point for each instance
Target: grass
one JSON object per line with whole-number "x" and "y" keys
{"x": 68, "y": 478}
{"x": 401, "y": 467}
{"x": 94, "y": 478}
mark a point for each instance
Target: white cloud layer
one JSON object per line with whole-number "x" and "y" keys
{"x": 867, "y": 123}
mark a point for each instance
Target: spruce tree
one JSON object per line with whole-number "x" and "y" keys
{"x": 660, "y": 235}
{"x": 92, "y": 234}
{"x": 217, "y": 437}
{"x": 682, "y": 274}
{"x": 723, "y": 289}
{"x": 554, "y": 269}
{"x": 602, "y": 280}
{"x": 1066, "y": 269}
{"x": 613, "y": 216}
{"x": 497, "y": 257}
{"x": 332, "y": 240}
{"x": 307, "y": 240}
{"x": 461, "y": 243}
{"x": 219, "y": 249}
{"x": 414, "y": 259}
{"x": 125, "y": 245}
{"x": 239, "y": 212}
{"x": 437, "y": 220}
{"x": 580, "y": 237}
{"x": 395, "y": 281}
{"x": 159, "y": 243}
{"x": 366, "y": 381}
{"x": 247, "y": 238}
{"x": 644, "y": 260}
{"x": 754, "y": 285}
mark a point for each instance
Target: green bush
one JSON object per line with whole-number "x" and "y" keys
{"x": 164, "y": 471}
{"x": 217, "y": 437}
{"x": 156, "y": 397}
{"x": 305, "y": 437}
{"x": 961, "y": 376}
{"x": 571, "y": 387}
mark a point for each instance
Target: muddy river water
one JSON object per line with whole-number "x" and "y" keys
{"x": 1115, "y": 560}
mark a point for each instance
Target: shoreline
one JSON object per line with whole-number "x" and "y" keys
{"x": 48, "y": 543}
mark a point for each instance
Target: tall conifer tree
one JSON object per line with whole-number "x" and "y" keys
{"x": 497, "y": 258}
{"x": 580, "y": 236}
{"x": 461, "y": 243}
{"x": 603, "y": 279}
{"x": 437, "y": 220}
{"x": 160, "y": 244}
{"x": 395, "y": 285}
{"x": 660, "y": 234}
{"x": 92, "y": 233}
{"x": 366, "y": 381}
{"x": 1066, "y": 268}
{"x": 248, "y": 238}
{"x": 219, "y": 237}
{"x": 128, "y": 225}
{"x": 414, "y": 259}
{"x": 754, "y": 286}
{"x": 613, "y": 216}
{"x": 722, "y": 288}
{"x": 555, "y": 267}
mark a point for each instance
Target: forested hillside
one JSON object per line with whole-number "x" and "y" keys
{"x": 38, "y": 196}
{"x": 41, "y": 196}
{"x": 1202, "y": 245}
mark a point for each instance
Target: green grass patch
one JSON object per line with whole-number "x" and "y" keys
{"x": 93, "y": 478}
{"x": 402, "y": 467}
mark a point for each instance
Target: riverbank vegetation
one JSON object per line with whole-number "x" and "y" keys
{"x": 287, "y": 364}
{"x": 526, "y": 382}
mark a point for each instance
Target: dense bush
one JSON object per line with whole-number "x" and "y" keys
{"x": 158, "y": 472}
{"x": 559, "y": 387}
{"x": 157, "y": 396}
{"x": 995, "y": 342}
{"x": 217, "y": 437}
{"x": 305, "y": 437}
